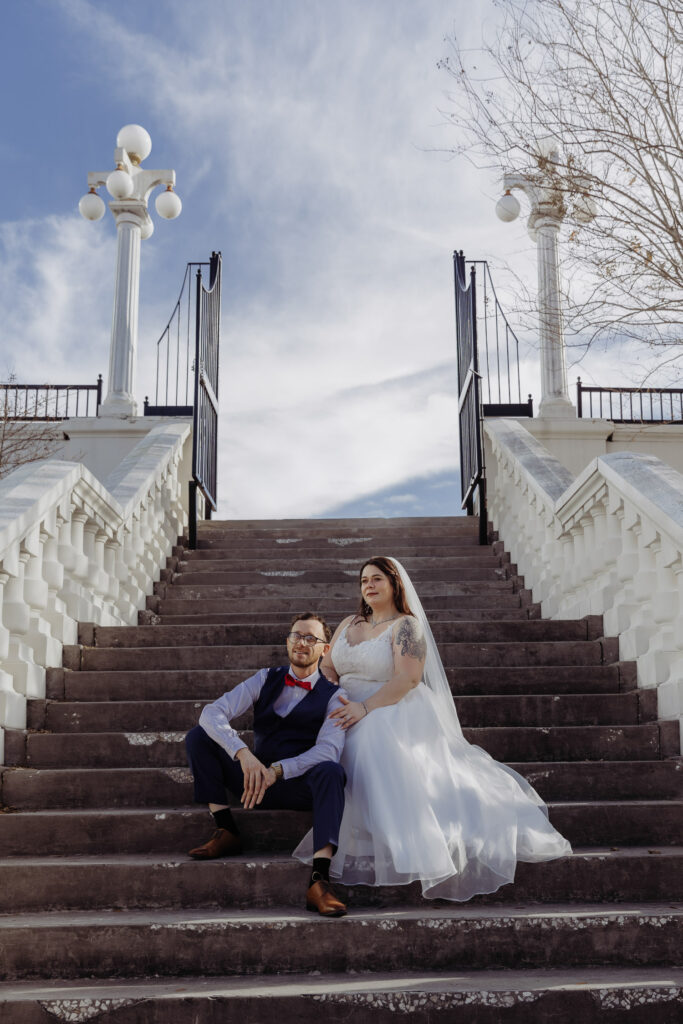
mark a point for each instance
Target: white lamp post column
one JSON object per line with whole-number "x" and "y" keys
{"x": 130, "y": 185}
{"x": 546, "y": 194}
{"x": 554, "y": 392}
{"x": 119, "y": 400}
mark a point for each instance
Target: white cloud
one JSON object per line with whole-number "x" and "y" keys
{"x": 402, "y": 499}
{"x": 56, "y": 292}
{"x": 301, "y": 134}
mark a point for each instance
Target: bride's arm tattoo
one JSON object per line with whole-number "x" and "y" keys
{"x": 410, "y": 639}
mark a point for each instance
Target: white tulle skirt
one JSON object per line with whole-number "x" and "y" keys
{"x": 421, "y": 806}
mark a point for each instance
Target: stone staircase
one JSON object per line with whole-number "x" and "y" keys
{"x": 105, "y": 918}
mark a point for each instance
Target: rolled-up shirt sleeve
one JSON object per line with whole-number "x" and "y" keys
{"x": 215, "y": 718}
{"x": 327, "y": 747}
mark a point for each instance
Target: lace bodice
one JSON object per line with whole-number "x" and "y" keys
{"x": 365, "y": 666}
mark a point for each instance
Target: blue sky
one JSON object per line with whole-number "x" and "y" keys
{"x": 309, "y": 147}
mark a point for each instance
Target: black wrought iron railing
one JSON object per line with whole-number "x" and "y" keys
{"x": 175, "y": 353}
{"x": 499, "y": 352}
{"x": 187, "y": 355}
{"x": 205, "y": 433}
{"x": 629, "y": 405}
{"x": 489, "y": 374}
{"x": 471, "y": 454}
{"x": 48, "y": 402}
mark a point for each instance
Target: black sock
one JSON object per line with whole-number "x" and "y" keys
{"x": 321, "y": 870}
{"x": 224, "y": 819}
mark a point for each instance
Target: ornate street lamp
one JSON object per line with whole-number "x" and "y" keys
{"x": 547, "y": 189}
{"x": 130, "y": 186}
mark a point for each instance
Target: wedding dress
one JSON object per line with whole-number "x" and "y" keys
{"x": 422, "y": 802}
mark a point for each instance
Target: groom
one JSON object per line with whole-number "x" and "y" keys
{"x": 295, "y": 763}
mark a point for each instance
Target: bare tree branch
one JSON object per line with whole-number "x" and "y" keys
{"x": 605, "y": 81}
{"x": 28, "y": 439}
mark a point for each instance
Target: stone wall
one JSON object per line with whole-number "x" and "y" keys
{"x": 608, "y": 542}
{"x": 73, "y": 548}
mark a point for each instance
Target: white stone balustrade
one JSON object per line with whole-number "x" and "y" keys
{"x": 608, "y": 542}
{"x": 75, "y": 549}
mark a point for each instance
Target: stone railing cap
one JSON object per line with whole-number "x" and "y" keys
{"x": 134, "y": 476}
{"x": 29, "y": 493}
{"x": 546, "y": 474}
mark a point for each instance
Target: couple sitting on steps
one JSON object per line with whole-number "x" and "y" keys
{"x": 369, "y": 740}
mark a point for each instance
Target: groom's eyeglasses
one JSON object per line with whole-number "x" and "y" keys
{"x": 307, "y": 639}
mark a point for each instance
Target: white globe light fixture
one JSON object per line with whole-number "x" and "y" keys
{"x": 130, "y": 186}
{"x": 120, "y": 184}
{"x": 168, "y": 204}
{"x": 91, "y": 207}
{"x": 584, "y": 210}
{"x": 507, "y": 207}
{"x": 136, "y": 141}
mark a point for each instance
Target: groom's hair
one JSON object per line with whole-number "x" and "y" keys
{"x": 327, "y": 632}
{"x": 388, "y": 567}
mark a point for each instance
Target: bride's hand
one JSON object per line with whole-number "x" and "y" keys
{"x": 349, "y": 714}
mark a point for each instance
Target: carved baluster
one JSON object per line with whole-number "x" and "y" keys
{"x": 64, "y": 628}
{"x": 16, "y": 614}
{"x": 47, "y": 650}
{"x": 12, "y": 702}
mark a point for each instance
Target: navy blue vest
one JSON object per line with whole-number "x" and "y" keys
{"x": 275, "y": 737}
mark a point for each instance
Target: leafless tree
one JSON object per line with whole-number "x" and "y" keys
{"x": 26, "y": 432}
{"x": 603, "y": 79}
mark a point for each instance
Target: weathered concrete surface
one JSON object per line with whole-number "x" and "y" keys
{"x": 34, "y": 788}
{"x": 172, "y": 830}
{"x": 166, "y": 748}
{"x": 286, "y": 941}
{"x": 561, "y": 710}
{"x": 609, "y": 995}
{"x": 172, "y": 880}
{"x": 246, "y": 634}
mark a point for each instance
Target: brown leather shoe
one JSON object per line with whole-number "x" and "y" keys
{"x": 221, "y": 844}
{"x": 320, "y": 899}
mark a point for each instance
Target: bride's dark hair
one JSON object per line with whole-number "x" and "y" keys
{"x": 386, "y": 566}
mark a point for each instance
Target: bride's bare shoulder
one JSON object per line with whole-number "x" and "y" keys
{"x": 348, "y": 621}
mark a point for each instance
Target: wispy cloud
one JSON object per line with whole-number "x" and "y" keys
{"x": 56, "y": 291}
{"x": 305, "y": 137}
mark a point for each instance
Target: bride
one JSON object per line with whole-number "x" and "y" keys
{"x": 421, "y": 802}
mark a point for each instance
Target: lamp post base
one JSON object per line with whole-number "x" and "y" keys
{"x": 118, "y": 406}
{"x": 556, "y": 407}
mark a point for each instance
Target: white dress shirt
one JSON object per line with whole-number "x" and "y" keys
{"x": 215, "y": 721}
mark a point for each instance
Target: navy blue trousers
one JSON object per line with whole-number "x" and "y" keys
{"x": 320, "y": 789}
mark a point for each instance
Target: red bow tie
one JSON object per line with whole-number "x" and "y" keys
{"x": 294, "y": 681}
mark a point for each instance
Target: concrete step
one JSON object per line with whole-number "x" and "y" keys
{"x": 378, "y": 535}
{"x": 305, "y": 594}
{"x": 347, "y": 562}
{"x": 605, "y": 995}
{"x": 537, "y": 710}
{"x": 287, "y": 576}
{"x": 325, "y": 548}
{"x": 281, "y": 941}
{"x": 154, "y": 881}
{"x": 419, "y": 527}
{"x": 172, "y": 830}
{"x": 207, "y": 684}
{"x": 579, "y": 781}
{"x": 255, "y": 634}
{"x": 282, "y": 608}
{"x": 502, "y": 655}
{"x": 220, "y": 618}
{"x": 159, "y": 748}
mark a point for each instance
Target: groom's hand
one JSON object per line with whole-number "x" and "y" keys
{"x": 257, "y": 778}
